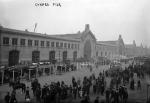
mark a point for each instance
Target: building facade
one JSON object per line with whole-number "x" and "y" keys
{"x": 18, "y": 46}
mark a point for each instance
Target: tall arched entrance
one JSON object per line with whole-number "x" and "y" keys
{"x": 51, "y": 56}
{"x": 35, "y": 56}
{"x": 13, "y": 57}
{"x": 87, "y": 50}
{"x": 74, "y": 55}
{"x": 64, "y": 55}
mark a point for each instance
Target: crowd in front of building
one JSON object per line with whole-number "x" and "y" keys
{"x": 83, "y": 89}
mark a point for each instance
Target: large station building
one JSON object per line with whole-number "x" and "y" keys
{"x": 25, "y": 47}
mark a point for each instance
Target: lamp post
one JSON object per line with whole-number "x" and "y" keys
{"x": 21, "y": 73}
{"x": 13, "y": 75}
{"x": 2, "y": 76}
{"x": 29, "y": 73}
{"x": 59, "y": 57}
{"x": 147, "y": 93}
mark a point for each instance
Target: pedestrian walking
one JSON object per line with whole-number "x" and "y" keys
{"x": 139, "y": 85}
{"x": 27, "y": 95}
{"x": 96, "y": 99}
{"x": 7, "y": 98}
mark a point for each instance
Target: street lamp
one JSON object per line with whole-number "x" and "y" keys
{"x": 148, "y": 85}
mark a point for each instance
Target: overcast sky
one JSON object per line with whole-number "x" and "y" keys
{"x": 107, "y": 18}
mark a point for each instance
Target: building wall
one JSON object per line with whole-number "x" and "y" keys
{"x": 136, "y": 51}
{"x": 0, "y": 48}
{"x": 108, "y": 51}
{"x": 25, "y": 52}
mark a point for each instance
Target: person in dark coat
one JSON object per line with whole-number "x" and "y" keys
{"x": 117, "y": 96}
{"x": 102, "y": 88}
{"x": 27, "y": 92}
{"x": 132, "y": 84}
{"x": 139, "y": 85}
{"x": 47, "y": 98}
{"x": 85, "y": 100}
{"x": 27, "y": 95}
{"x": 13, "y": 98}
{"x": 94, "y": 86}
{"x": 107, "y": 96}
{"x": 75, "y": 92}
{"x": 38, "y": 95}
{"x": 7, "y": 98}
{"x": 125, "y": 95}
{"x": 96, "y": 100}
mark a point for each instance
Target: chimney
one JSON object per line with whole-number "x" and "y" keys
{"x": 87, "y": 27}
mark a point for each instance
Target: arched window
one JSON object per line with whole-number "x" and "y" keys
{"x": 97, "y": 53}
{"x": 105, "y": 53}
{"x": 74, "y": 55}
{"x": 101, "y": 53}
{"x": 87, "y": 50}
{"x": 35, "y": 56}
{"x": 51, "y": 56}
{"x": 64, "y": 55}
{"x": 13, "y": 57}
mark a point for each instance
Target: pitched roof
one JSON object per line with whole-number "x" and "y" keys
{"x": 108, "y": 42}
{"x": 68, "y": 36}
{"x": 129, "y": 45}
{"x": 62, "y": 36}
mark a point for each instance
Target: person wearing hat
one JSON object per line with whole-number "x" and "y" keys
{"x": 125, "y": 95}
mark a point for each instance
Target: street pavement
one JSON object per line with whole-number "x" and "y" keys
{"x": 136, "y": 96}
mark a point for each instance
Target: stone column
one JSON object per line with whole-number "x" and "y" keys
{"x": 21, "y": 73}
{"x": 29, "y": 74}
{"x": 2, "y": 76}
{"x": 13, "y": 75}
{"x": 43, "y": 69}
{"x": 37, "y": 72}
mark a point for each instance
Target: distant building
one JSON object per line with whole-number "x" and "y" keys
{"x": 18, "y": 46}
{"x": 111, "y": 49}
{"x": 132, "y": 50}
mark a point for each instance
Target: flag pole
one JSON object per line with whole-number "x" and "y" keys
{"x": 35, "y": 26}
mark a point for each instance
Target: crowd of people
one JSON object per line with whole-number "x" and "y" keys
{"x": 84, "y": 89}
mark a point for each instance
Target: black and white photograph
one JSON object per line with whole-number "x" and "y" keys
{"x": 74, "y": 51}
